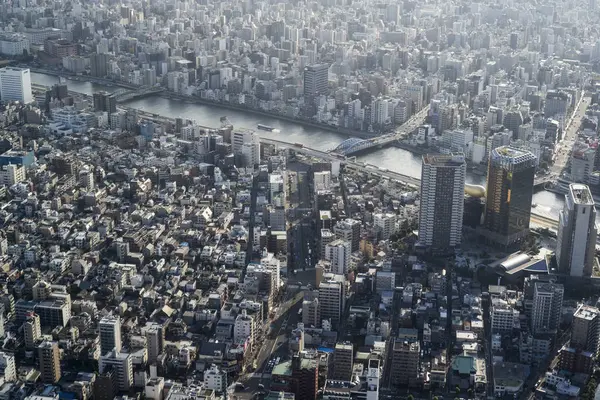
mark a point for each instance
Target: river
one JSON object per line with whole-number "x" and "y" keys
{"x": 391, "y": 158}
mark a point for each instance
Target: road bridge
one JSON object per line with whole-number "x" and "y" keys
{"x": 354, "y": 145}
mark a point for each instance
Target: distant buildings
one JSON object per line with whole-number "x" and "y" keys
{"x": 442, "y": 202}
{"x": 510, "y": 181}
{"x": 577, "y": 232}
{"x": 316, "y": 79}
{"x": 13, "y": 44}
{"x": 15, "y": 85}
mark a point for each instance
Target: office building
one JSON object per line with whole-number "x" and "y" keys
{"x": 155, "y": 341}
{"x": 49, "y": 360}
{"x": 105, "y": 385}
{"x": 384, "y": 224}
{"x": 32, "y": 330}
{"x": 585, "y": 330}
{"x": 322, "y": 180}
{"x": 110, "y": 334}
{"x": 60, "y": 48}
{"x": 246, "y": 145}
{"x": 343, "y": 362}
{"x": 15, "y": 85}
{"x": 405, "y": 362}
{"x": 11, "y": 174}
{"x": 338, "y": 253}
{"x": 332, "y": 295}
{"x": 373, "y": 377}
{"x": 504, "y": 317}
{"x": 557, "y": 103}
{"x": 326, "y": 237}
{"x": 121, "y": 365}
{"x": 8, "y": 367}
{"x": 511, "y": 173}
{"x": 442, "y": 202}
{"x": 244, "y": 329}
{"x": 575, "y": 360}
{"x": 547, "y": 307}
{"x": 104, "y": 101}
{"x": 349, "y": 230}
{"x": 99, "y": 65}
{"x": 299, "y": 376}
{"x": 577, "y": 232}
{"x": 316, "y": 79}
{"x": 214, "y": 379}
{"x": 54, "y": 313}
{"x": 13, "y": 44}
{"x": 310, "y": 310}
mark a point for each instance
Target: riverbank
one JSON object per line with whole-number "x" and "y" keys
{"x": 282, "y": 117}
{"x": 198, "y": 100}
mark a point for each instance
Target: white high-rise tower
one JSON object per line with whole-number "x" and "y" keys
{"x": 15, "y": 85}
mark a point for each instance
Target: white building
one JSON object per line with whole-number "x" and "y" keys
{"x": 15, "y": 85}
{"x": 7, "y": 367}
{"x": 246, "y": 143}
{"x": 332, "y": 296}
{"x": 13, "y": 44}
{"x": 503, "y": 316}
{"x": 122, "y": 365}
{"x": 322, "y": 180}
{"x": 243, "y": 328}
{"x": 11, "y": 174}
{"x": 385, "y": 224}
{"x": 442, "y": 201}
{"x": 577, "y": 232}
{"x": 373, "y": 375}
{"x": 385, "y": 280}
{"x": 338, "y": 254}
{"x": 154, "y": 388}
{"x": 110, "y": 334}
{"x": 213, "y": 379}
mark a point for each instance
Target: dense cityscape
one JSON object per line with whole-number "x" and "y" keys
{"x": 149, "y": 255}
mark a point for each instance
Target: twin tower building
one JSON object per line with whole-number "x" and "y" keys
{"x": 508, "y": 198}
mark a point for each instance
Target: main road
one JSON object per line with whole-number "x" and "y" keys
{"x": 565, "y": 146}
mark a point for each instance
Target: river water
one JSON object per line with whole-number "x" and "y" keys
{"x": 392, "y": 158}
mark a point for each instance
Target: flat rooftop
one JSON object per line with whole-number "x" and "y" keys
{"x": 586, "y": 312}
{"x": 581, "y": 194}
{"x": 444, "y": 160}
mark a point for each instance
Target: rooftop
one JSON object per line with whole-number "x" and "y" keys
{"x": 586, "y": 312}
{"x": 444, "y": 160}
{"x": 581, "y": 194}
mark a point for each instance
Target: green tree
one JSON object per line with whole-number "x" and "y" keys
{"x": 457, "y": 389}
{"x": 410, "y": 397}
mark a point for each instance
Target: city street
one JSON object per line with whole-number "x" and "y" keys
{"x": 565, "y": 147}
{"x": 273, "y": 343}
